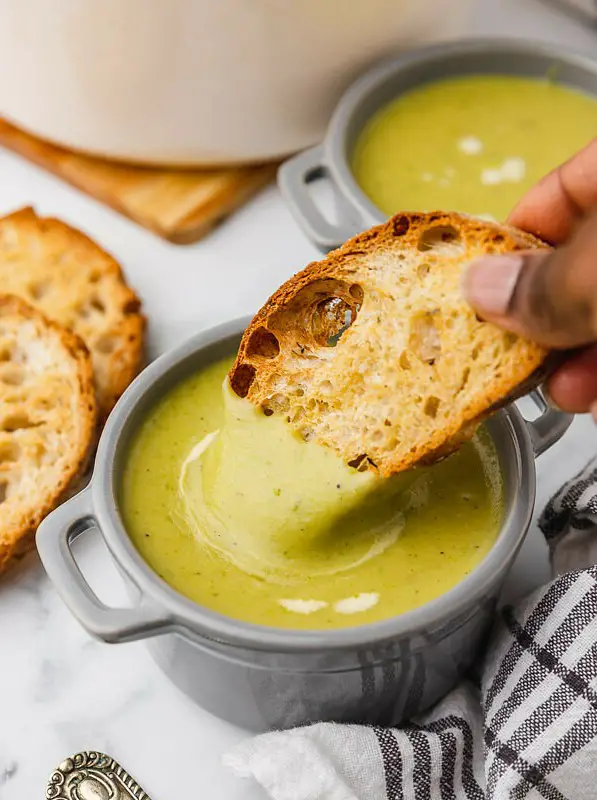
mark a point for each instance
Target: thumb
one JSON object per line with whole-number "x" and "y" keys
{"x": 547, "y": 296}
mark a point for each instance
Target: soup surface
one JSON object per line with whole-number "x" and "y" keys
{"x": 238, "y": 514}
{"x": 473, "y": 144}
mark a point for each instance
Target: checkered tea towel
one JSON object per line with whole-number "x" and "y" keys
{"x": 528, "y": 731}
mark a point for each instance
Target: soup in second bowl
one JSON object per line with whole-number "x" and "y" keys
{"x": 238, "y": 514}
{"x": 473, "y": 144}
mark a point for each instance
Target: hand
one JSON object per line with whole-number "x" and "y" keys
{"x": 552, "y": 297}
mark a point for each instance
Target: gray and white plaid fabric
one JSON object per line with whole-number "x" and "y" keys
{"x": 528, "y": 731}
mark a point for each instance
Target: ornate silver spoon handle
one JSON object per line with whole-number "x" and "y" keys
{"x": 92, "y": 776}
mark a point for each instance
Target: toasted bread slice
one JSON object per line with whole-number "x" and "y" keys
{"x": 71, "y": 279}
{"x": 47, "y": 420}
{"x": 374, "y": 352}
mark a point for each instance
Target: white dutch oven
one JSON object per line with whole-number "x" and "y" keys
{"x": 197, "y": 81}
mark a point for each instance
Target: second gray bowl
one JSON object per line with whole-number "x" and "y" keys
{"x": 331, "y": 160}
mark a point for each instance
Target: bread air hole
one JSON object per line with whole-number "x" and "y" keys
{"x": 424, "y": 340}
{"x": 39, "y": 289}
{"x": 465, "y": 376}
{"x": 359, "y": 463}
{"x": 242, "y": 379}
{"x": 404, "y": 360}
{"x": 18, "y": 421}
{"x": 3, "y": 491}
{"x": 400, "y": 225}
{"x": 318, "y": 315}
{"x": 276, "y": 404}
{"x": 423, "y": 270}
{"x": 42, "y": 455}
{"x": 262, "y": 343}
{"x": 431, "y": 407}
{"x": 106, "y": 344}
{"x": 356, "y": 291}
{"x": 97, "y": 304}
{"x": 9, "y": 452}
{"x": 132, "y": 306}
{"x": 331, "y": 318}
{"x": 13, "y": 375}
{"x": 303, "y": 351}
{"x": 306, "y": 433}
{"x": 439, "y": 236}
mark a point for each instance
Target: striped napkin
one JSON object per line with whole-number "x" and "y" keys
{"x": 527, "y": 730}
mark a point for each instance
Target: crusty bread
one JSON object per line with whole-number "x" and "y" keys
{"x": 47, "y": 420}
{"x": 71, "y": 279}
{"x": 374, "y": 352}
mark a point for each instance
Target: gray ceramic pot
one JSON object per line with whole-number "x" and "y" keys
{"x": 261, "y": 677}
{"x": 331, "y": 160}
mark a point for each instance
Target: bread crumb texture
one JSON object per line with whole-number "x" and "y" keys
{"x": 48, "y": 419}
{"x": 73, "y": 281}
{"x": 374, "y": 352}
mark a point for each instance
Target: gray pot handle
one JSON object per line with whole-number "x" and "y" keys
{"x": 294, "y": 177}
{"x": 54, "y": 538}
{"x": 550, "y": 425}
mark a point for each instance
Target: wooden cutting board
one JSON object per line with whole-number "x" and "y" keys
{"x": 179, "y": 205}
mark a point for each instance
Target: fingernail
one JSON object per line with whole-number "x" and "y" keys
{"x": 489, "y": 283}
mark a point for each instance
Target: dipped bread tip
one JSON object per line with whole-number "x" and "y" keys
{"x": 374, "y": 352}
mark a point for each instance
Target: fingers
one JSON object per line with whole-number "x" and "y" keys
{"x": 550, "y": 297}
{"x": 546, "y": 210}
{"x": 552, "y": 208}
{"x": 573, "y": 387}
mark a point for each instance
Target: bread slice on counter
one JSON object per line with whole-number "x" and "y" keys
{"x": 374, "y": 352}
{"x": 72, "y": 280}
{"x": 48, "y": 419}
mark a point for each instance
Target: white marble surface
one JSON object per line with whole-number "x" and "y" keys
{"x": 62, "y": 692}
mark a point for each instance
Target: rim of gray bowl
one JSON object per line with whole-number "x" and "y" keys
{"x": 335, "y": 142}
{"x": 190, "y": 617}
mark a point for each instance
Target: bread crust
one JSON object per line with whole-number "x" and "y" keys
{"x": 65, "y": 274}
{"x": 410, "y": 265}
{"x": 48, "y": 421}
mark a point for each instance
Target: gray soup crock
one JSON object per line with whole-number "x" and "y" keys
{"x": 261, "y": 677}
{"x": 331, "y": 160}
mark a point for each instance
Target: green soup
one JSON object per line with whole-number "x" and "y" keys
{"x": 472, "y": 144}
{"x": 237, "y": 515}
